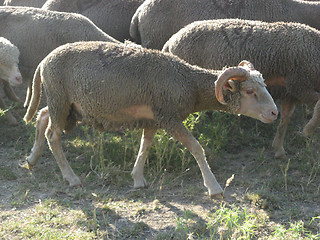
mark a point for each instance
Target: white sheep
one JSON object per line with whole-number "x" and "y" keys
{"x": 37, "y": 32}
{"x": 110, "y": 85}
{"x": 26, "y": 3}
{"x": 287, "y": 54}
{"x": 155, "y": 21}
{"x": 112, "y": 16}
{"x": 9, "y": 74}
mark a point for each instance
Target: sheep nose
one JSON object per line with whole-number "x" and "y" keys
{"x": 19, "y": 79}
{"x": 274, "y": 113}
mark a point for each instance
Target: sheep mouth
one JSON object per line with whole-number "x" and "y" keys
{"x": 266, "y": 119}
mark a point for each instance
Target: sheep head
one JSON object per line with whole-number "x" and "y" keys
{"x": 9, "y": 60}
{"x": 247, "y": 92}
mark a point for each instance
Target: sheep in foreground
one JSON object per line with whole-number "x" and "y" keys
{"x": 37, "y": 32}
{"x": 87, "y": 79}
{"x": 26, "y": 3}
{"x": 287, "y": 54}
{"x": 9, "y": 74}
{"x": 112, "y": 16}
{"x": 155, "y": 21}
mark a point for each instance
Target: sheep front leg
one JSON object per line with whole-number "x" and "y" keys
{"x": 10, "y": 93}
{"x": 186, "y": 138}
{"x": 314, "y": 121}
{"x": 41, "y": 126}
{"x": 287, "y": 110}
{"x": 54, "y": 140}
{"x": 137, "y": 171}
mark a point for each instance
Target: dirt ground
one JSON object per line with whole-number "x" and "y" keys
{"x": 111, "y": 209}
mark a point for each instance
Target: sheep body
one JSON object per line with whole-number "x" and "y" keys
{"x": 9, "y": 74}
{"x": 88, "y": 79}
{"x": 287, "y": 54}
{"x": 37, "y": 32}
{"x": 26, "y": 3}
{"x": 112, "y": 16}
{"x": 155, "y": 21}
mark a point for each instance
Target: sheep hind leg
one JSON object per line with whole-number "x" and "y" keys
{"x": 286, "y": 113}
{"x": 314, "y": 121}
{"x": 185, "y": 137}
{"x": 137, "y": 171}
{"x": 41, "y": 126}
{"x": 53, "y": 136}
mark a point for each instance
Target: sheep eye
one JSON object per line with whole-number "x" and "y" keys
{"x": 249, "y": 91}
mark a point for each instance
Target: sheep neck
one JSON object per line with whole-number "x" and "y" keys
{"x": 206, "y": 99}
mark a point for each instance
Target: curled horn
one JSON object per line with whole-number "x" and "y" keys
{"x": 247, "y": 64}
{"x": 233, "y": 73}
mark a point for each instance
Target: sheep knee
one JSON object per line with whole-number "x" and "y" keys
{"x": 314, "y": 121}
{"x": 54, "y": 140}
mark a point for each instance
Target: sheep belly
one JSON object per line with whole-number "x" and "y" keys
{"x": 137, "y": 116}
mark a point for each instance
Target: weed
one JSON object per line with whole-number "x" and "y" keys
{"x": 233, "y": 223}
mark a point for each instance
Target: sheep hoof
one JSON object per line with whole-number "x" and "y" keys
{"x": 27, "y": 165}
{"x": 218, "y": 196}
{"x": 307, "y": 131}
{"x": 73, "y": 182}
{"x": 142, "y": 183}
{"x": 30, "y": 166}
{"x": 280, "y": 154}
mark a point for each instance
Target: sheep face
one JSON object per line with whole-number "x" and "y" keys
{"x": 255, "y": 100}
{"x": 246, "y": 92}
{"x": 10, "y": 73}
{"x": 9, "y": 59}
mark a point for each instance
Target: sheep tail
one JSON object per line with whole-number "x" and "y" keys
{"x": 33, "y": 96}
{"x": 134, "y": 31}
{"x": 28, "y": 96}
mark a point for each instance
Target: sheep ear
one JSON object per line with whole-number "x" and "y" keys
{"x": 231, "y": 86}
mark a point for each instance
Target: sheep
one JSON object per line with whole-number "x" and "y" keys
{"x": 86, "y": 81}
{"x": 155, "y": 21}
{"x": 26, "y": 3}
{"x": 112, "y": 16}
{"x": 37, "y": 32}
{"x": 9, "y": 74}
{"x": 287, "y": 54}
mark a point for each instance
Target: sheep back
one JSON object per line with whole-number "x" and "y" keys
{"x": 112, "y": 16}
{"x": 37, "y": 32}
{"x": 114, "y": 79}
{"x": 26, "y": 3}
{"x": 157, "y": 20}
{"x": 278, "y": 49}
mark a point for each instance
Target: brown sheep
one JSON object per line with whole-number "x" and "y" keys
{"x": 86, "y": 81}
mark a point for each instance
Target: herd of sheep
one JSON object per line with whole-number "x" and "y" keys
{"x": 149, "y": 64}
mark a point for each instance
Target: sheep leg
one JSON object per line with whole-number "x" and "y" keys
{"x": 186, "y": 138}
{"x": 10, "y": 93}
{"x": 41, "y": 126}
{"x": 53, "y": 136}
{"x": 287, "y": 110}
{"x": 8, "y": 115}
{"x": 137, "y": 171}
{"x": 314, "y": 121}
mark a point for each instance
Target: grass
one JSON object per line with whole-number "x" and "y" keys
{"x": 265, "y": 198}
